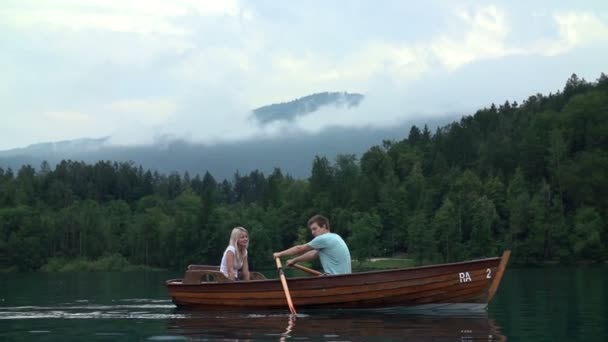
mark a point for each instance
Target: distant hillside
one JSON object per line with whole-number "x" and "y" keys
{"x": 288, "y": 111}
{"x": 293, "y": 154}
{"x": 65, "y": 147}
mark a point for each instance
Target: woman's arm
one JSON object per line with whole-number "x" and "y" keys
{"x": 246, "y": 275}
{"x": 230, "y": 264}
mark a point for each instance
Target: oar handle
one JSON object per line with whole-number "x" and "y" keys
{"x": 306, "y": 269}
{"x": 292, "y": 309}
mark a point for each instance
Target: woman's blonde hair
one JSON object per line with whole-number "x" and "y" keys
{"x": 234, "y": 238}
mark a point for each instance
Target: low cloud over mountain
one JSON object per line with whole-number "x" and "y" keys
{"x": 292, "y": 152}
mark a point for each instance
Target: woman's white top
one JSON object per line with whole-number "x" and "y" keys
{"x": 238, "y": 264}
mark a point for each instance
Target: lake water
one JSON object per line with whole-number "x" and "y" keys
{"x": 535, "y": 304}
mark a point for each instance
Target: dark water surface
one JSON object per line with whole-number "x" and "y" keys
{"x": 540, "y": 304}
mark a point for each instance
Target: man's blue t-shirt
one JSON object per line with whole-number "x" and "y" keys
{"x": 333, "y": 253}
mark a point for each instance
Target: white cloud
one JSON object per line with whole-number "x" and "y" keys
{"x": 484, "y": 38}
{"x": 211, "y": 65}
{"x": 133, "y": 32}
{"x": 192, "y": 68}
{"x": 68, "y": 118}
{"x": 144, "y": 112}
{"x": 132, "y": 16}
{"x": 577, "y": 29}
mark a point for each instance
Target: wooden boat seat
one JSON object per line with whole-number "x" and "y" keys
{"x": 257, "y": 276}
{"x": 197, "y": 274}
{"x": 203, "y": 267}
{"x": 204, "y": 276}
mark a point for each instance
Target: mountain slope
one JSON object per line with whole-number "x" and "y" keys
{"x": 288, "y": 111}
{"x": 291, "y": 153}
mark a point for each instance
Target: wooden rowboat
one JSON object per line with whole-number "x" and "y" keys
{"x": 468, "y": 285}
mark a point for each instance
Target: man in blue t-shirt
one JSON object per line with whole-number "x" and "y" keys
{"x": 327, "y": 246}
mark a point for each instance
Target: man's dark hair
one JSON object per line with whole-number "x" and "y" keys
{"x": 320, "y": 220}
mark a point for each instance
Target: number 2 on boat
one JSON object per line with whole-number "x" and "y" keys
{"x": 488, "y": 273}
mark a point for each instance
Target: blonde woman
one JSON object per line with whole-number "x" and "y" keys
{"x": 235, "y": 255}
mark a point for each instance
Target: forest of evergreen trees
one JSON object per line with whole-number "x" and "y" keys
{"x": 530, "y": 177}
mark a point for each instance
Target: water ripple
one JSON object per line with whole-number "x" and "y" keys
{"x": 156, "y": 309}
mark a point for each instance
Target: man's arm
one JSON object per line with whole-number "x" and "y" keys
{"x": 299, "y": 249}
{"x": 304, "y": 257}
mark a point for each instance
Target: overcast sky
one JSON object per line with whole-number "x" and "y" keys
{"x": 141, "y": 70}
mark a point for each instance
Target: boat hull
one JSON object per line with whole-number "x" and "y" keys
{"x": 469, "y": 284}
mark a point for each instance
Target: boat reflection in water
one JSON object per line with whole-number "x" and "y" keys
{"x": 334, "y": 326}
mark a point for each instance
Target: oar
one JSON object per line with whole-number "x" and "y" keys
{"x": 285, "y": 288}
{"x": 306, "y": 269}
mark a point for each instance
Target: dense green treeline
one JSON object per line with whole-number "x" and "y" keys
{"x": 530, "y": 177}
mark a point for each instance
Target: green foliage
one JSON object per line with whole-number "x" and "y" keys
{"x": 587, "y": 229}
{"x": 483, "y": 218}
{"x": 366, "y": 229}
{"x": 530, "y": 177}
{"x": 114, "y": 262}
{"x": 386, "y": 264}
{"x": 447, "y": 232}
{"x": 422, "y": 244}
